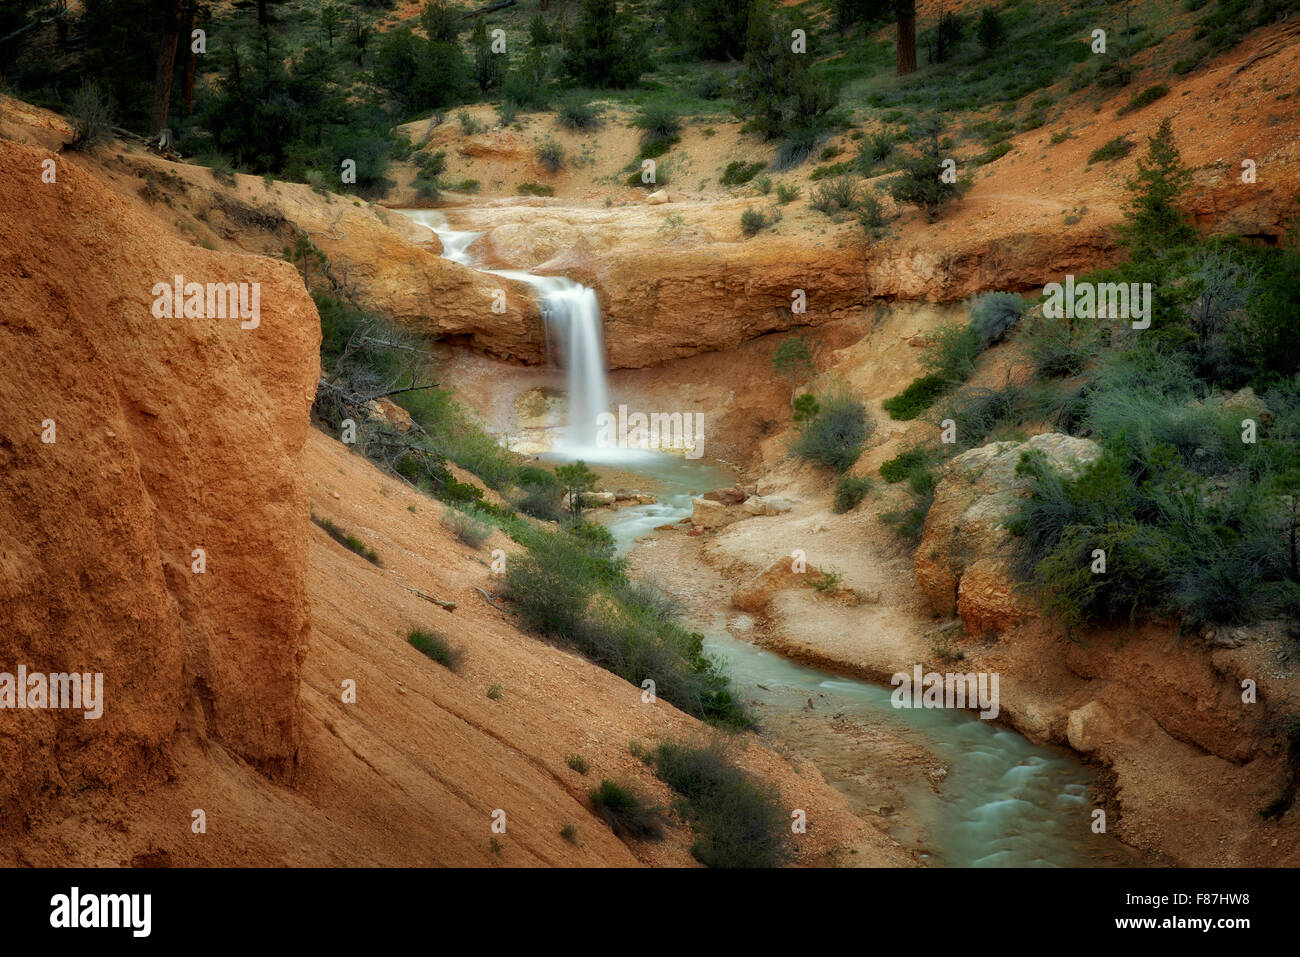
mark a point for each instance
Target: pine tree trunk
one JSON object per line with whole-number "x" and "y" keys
{"x": 191, "y": 62}
{"x": 162, "y": 84}
{"x": 907, "y": 40}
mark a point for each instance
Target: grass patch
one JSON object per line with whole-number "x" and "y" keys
{"x": 435, "y": 647}
{"x": 1112, "y": 150}
{"x": 920, "y": 394}
{"x": 849, "y": 492}
{"x": 737, "y": 819}
{"x": 626, "y": 813}
{"x": 350, "y": 542}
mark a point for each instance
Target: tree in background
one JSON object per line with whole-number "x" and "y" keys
{"x": 441, "y": 21}
{"x": 487, "y": 65}
{"x": 1152, "y": 221}
{"x": 575, "y": 478}
{"x": 777, "y": 89}
{"x": 331, "y": 20}
{"x": 792, "y": 358}
{"x": 599, "y": 51}
{"x": 902, "y": 12}
{"x": 989, "y": 30}
{"x": 717, "y": 28}
{"x": 925, "y": 181}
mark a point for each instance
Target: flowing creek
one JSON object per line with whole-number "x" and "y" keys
{"x": 994, "y": 799}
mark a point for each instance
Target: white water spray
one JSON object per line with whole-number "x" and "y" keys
{"x": 573, "y": 329}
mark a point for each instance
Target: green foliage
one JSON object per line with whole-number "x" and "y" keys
{"x": 575, "y": 478}
{"x": 627, "y": 814}
{"x": 834, "y": 437}
{"x": 805, "y": 407}
{"x": 1059, "y": 346}
{"x": 467, "y": 527}
{"x": 786, "y": 194}
{"x": 577, "y": 113}
{"x": 920, "y": 394}
{"x": 1114, "y": 149}
{"x": 913, "y": 466}
{"x": 849, "y": 492}
{"x": 989, "y": 30}
{"x": 739, "y": 172}
{"x": 1145, "y": 98}
{"x": 871, "y": 214}
{"x": 571, "y": 587}
{"x": 793, "y": 358}
{"x": 738, "y": 820}
{"x": 1152, "y": 221}
{"x": 488, "y": 68}
{"x": 980, "y": 412}
{"x": 577, "y": 763}
{"x": 952, "y": 352}
{"x": 753, "y": 221}
{"x": 877, "y": 148}
{"x": 434, "y": 646}
{"x": 604, "y": 50}
{"x": 551, "y": 155}
{"x": 993, "y": 314}
{"x": 777, "y": 89}
{"x": 834, "y": 195}
{"x": 350, "y": 542}
{"x": 922, "y": 182}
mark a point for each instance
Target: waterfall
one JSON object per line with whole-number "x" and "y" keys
{"x": 573, "y": 330}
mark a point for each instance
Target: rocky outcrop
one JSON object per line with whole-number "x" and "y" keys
{"x": 757, "y": 593}
{"x": 964, "y": 561}
{"x": 151, "y": 489}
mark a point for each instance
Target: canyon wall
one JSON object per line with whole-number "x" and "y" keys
{"x": 128, "y": 442}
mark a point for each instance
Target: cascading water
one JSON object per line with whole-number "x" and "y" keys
{"x": 573, "y": 329}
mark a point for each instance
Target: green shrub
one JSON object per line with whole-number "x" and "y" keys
{"x": 625, "y": 813}
{"x": 917, "y": 397}
{"x": 437, "y": 648}
{"x": 350, "y": 542}
{"x": 577, "y": 113}
{"x": 979, "y": 412}
{"x": 753, "y": 221}
{"x": 1059, "y": 346}
{"x": 551, "y": 155}
{"x": 1114, "y": 149}
{"x": 835, "y": 195}
{"x": 912, "y": 466}
{"x": 739, "y": 172}
{"x": 1145, "y": 98}
{"x": 658, "y": 122}
{"x": 569, "y": 586}
{"x": 834, "y": 437}
{"x": 993, "y": 314}
{"x": 871, "y": 214}
{"x": 466, "y": 527}
{"x": 877, "y": 148}
{"x": 578, "y": 763}
{"x": 849, "y": 492}
{"x": 738, "y": 820}
{"x": 786, "y": 194}
{"x": 805, "y": 407}
{"x": 952, "y": 352}
{"x": 536, "y": 189}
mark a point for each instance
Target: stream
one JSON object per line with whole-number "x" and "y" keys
{"x": 996, "y": 799}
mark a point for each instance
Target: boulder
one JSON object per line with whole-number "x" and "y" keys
{"x": 755, "y": 594}
{"x": 708, "y": 514}
{"x": 658, "y": 198}
{"x": 766, "y": 505}
{"x": 964, "y": 561}
{"x": 734, "y": 495}
{"x": 597, "y": 499}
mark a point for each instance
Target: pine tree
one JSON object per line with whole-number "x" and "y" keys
{"x": 778, "y": 91}
{"x": 600, "y": 51}
{"x": 487, "y": 65}
{"x": 1152, "y": 221}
